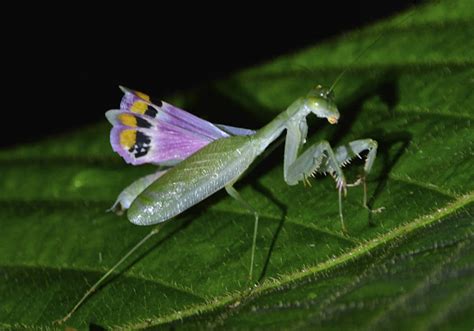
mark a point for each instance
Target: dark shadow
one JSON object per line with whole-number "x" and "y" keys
{"x": 209, "y": 102}
{"x": 95, "y": 327}
{"x": 284, "y": 210}
{"x": 386, "y": 141}
{"x": 389, "y": 93}
{"x": 386, "y": 88}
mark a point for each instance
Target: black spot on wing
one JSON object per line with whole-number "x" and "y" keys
{"x": 151, "y": 111}
{"x": 142, "y": 145}
{"x": 142, "y": 123}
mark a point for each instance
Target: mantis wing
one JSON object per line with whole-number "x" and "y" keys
{"x": 144, "y": 132}
{"x": 165, "y": 135}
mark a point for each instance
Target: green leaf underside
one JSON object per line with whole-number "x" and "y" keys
{"x": 414, "y": 268}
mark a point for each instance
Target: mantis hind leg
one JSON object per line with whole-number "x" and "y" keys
{"x": 96, "y": 285}
{"x": 236, "y": 195}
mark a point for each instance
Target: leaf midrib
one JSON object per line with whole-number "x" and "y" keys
{"x": 342, "y": 291}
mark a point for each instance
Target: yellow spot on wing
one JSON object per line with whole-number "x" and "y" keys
{"x": 139, "y": 107}
{"x": 142, "y": 95}
{"x": 128, "y": 120}
{"x": 128, "y": 138}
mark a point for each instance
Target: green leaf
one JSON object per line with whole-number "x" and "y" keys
{"x": 413, "y": 268}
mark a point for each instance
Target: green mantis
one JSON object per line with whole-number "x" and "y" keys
{"x": 198, "y": 158}
{"x": 198, "y": 167}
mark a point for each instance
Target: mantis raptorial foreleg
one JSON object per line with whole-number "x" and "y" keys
{"x": 321, "y": 158}
{"x": 307, "y": 164}
{"x": 298, "y": 168}
{"x": 236, "y": 195}
{"x": 345, "y": 153}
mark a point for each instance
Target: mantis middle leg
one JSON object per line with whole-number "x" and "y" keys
{"x": 236, "y": 195}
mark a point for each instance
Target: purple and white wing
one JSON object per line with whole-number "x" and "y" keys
{"x": 144, "y": 132}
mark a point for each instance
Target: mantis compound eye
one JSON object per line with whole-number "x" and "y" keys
{"x": 323, "y": 92}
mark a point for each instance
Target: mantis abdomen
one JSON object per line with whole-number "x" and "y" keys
{"x": 194, "y": 179}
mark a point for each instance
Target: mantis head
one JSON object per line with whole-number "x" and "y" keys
{"x": 320, "y": 101}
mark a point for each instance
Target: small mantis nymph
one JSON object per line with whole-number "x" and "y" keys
{"x": 143, "y": 132}
{"x": 198, "y": 158}
{"x": 203, "y": 158}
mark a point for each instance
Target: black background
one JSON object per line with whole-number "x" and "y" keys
{"x": 62, "y": 65}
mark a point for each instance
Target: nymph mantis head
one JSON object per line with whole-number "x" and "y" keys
{"x": 320, "y": 101}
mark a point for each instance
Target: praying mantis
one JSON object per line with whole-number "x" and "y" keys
{"x": 203, "y": 158}
{"x": 198, "y": 158}
{"x": 199, "y": 169}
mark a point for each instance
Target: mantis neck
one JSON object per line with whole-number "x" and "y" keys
{"x": 295, "y": 112}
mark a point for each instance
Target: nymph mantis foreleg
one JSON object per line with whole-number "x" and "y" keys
{"x": 299, "y": 168}
{"x": 320, "y": 157}
{"x": 344, "y": 155}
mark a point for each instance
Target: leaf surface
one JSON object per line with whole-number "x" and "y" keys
{"x": 413, "y": 267}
